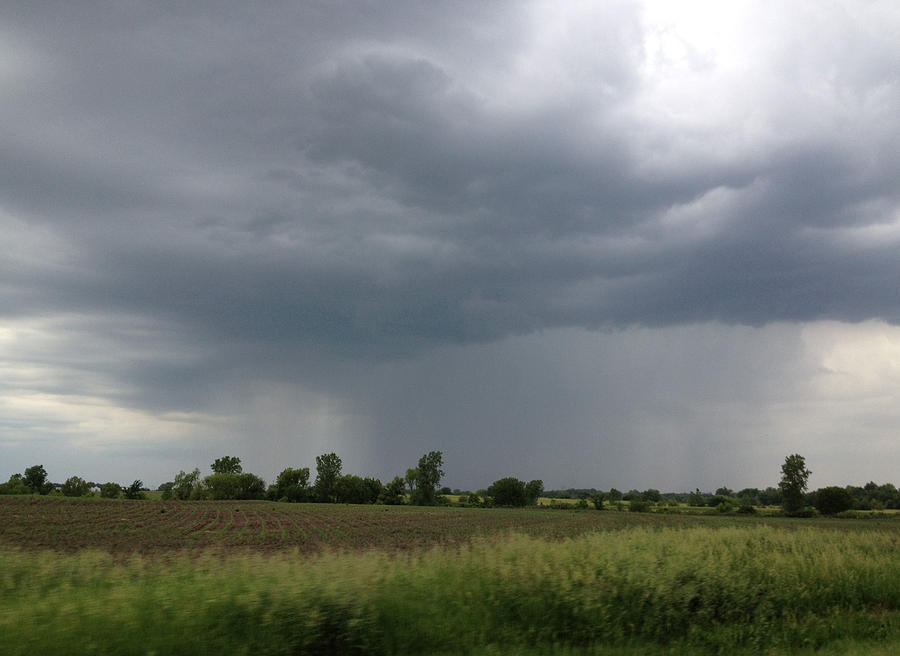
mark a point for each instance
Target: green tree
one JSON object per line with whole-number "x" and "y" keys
{"x": 832, "y": 500}
{"x": 36, "y": 479}
{"x": 184, "y": 484}
{"x": 794, "y": 476}
{"x": 328, "y": 470}
{"x": 15, "y": 485}
{"x": 291, "y": 485}
{"x": 356, "y": 489}
{"x": 696, "y": 498}
{"x": 428, "y": 478}
{"x": 110, "y": 490}
{"x": 135, "y": 490}
{"x": 533, "y": 491}
{"x": 166, "y": 489}
{"x": 651, "y": 495}
{"x": 233, "y": 486}
{"x": 412, "y": 477}
{"x": 614, "y": 495}
{"x": 75, "y": 486}
{"x": 393, "y": 493}
{"x": 227, "y": 465}
{"x": 509, "y": 491}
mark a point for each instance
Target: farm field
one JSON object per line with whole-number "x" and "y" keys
{"x": 140, "y": 577}
{"x": 149, "y": 527}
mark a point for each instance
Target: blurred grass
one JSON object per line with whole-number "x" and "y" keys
{"x": 731, "y": 590}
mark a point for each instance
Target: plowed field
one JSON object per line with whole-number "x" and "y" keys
{"x": 147, "y": 527}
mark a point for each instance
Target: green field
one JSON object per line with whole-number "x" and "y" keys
{"x": 480, "y": 581}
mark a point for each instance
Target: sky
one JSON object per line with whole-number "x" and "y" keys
{"x": 614, "y": 244}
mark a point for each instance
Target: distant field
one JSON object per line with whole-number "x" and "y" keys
{"x": 147, "y": 527}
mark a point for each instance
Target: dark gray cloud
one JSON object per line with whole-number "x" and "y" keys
{"x": 282, "y": 191}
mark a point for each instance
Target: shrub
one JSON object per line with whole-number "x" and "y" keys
{"x": 508, "y": 491}
{"x": 638, "y": 505}
{"x": 110, "y": 490}
{"x": 473, "y": 500}
{"x": 135, "y": 490}
{"x": 75, "y": 486}
{"x": 832, "y": 500}
{"x": 15, "y": 485}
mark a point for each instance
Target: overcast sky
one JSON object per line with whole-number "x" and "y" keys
{"x": 604, "y": 244}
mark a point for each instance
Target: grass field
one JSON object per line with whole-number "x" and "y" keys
{"x": 126, "y": 578}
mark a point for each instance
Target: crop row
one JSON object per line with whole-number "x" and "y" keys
{"x": 148, "y": 526}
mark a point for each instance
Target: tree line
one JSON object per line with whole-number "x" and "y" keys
{"x": 419, "y": 486}
{"x": 34, "y": 481}
{"x": 331, "y": 485}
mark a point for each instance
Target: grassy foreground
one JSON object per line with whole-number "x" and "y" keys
{"x": 635, "y": 591}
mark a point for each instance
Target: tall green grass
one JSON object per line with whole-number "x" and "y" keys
{"x": 636, "y": 591}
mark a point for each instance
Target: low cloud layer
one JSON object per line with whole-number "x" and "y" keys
{"x": 207, "y": 206}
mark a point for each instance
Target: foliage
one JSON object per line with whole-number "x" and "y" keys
{"x": 533, "y": 491}
{"x": 771, "y": 496}
{"x": 614, "y": 494}
{"x": 509, "y": 491}
{"x": 597, "y": 500}
{"x": 472, "y": 500}
{"x": 135, "y": 490}
{"x": 227, "y": 465}
{"x": 184, "y": 485}
{"x": 234, "y": 486}
{"x": 651, "y": 495}
{"x": 328, "y": 470}
{"x": 36, "y": 479}
{"x": 411, "y": 478}
{"x": 832, "y": 500}
{"x": 75, "y": 486}
{"x": 794, "y": 476}
{"x": 393, "y": 493}
{"x": 291, "y": 485}
{"x": 427, "y": 478}
{"x": 166, "y": 489}
{"x": 15, "y": 485}
{"x": 110, "y": 490}
{"x": 638, "y": 504}
{"x": 696, "y": 498}
{"x": 749, "y": 496}
{"x": 356, "y": 489}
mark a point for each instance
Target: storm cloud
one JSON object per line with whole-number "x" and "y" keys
{"x": 300, "y": 227}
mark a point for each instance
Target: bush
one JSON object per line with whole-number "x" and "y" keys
{"x": 393, "y": 493}
{"x": 75, "y": 486}
{"x": 110, "y": 490}
{"x": 508, "y": 491}
{"x": 15, "y": 485}
{"x": 638, "y": 505}
{"x": 230, "y": 486}
{"x": 832, "y": 500}
{"x": 472, "y": 501}
{"x": 135, "y": 490}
